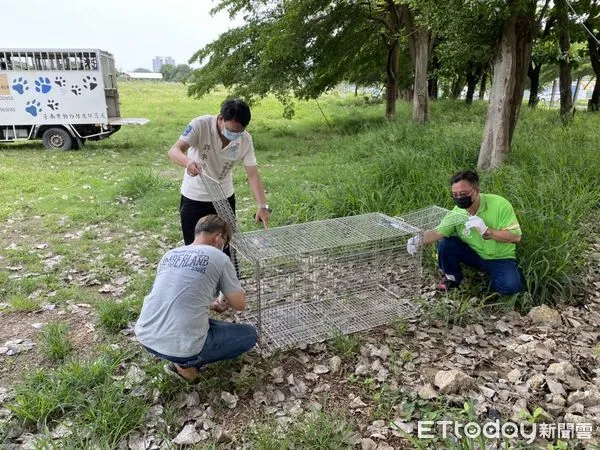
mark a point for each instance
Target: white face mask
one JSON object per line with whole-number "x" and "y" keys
{"x": 230, "y": 135}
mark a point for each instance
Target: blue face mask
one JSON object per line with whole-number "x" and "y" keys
{"x": 230, "y": 135}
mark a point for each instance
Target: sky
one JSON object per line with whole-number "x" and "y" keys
{"x": 134, "y": 31}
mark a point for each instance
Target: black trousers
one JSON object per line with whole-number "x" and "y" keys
{"x": 191, "y": 211}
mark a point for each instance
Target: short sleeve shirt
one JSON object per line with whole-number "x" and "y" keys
{"x": 216, "y": 161}
{"x": 174, "y": 317}
{"x": 497, "y": 213}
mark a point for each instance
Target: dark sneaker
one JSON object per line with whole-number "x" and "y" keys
{"x": 445, "y": 285}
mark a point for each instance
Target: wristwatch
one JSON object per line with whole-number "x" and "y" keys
{"x": 265, "y": 206}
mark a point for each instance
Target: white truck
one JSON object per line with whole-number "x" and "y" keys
{"x": 61, "y": 96}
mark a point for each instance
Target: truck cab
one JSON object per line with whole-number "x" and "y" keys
{"x": 61, "y": 96}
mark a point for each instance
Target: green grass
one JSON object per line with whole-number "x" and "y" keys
{"x": 54, "y": 342}
{"x": 83, "y": 393}
{"x": 346, "y": 346}
{"x": 23, "y": 304}
{"x": 115, "y": 316}
{"x": 354, "y": 162}
{"x": 316, "y": 430}
{"x": 101, "y": 206}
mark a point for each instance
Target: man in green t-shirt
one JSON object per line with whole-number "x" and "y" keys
{"x": 485, "y": 239}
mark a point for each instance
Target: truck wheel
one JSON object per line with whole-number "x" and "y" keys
{"x": 57, "y": 139}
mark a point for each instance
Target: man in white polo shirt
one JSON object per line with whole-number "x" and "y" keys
{"x": 213, "y": 144}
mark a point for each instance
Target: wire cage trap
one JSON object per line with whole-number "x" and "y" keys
{"x": 307, "y": 282}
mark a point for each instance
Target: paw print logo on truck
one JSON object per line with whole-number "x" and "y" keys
{"x": 90, "y": 83}
{"x": 20, "y": 85}
{"x": 33, "y": 107}
{"x": 42, "y": 84}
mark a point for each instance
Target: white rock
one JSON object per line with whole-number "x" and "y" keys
{"x": 452, "y": 381}
{"x": 487, "y": 392}
{"x": 335, "y": 364}
{"x": 299, "y": 389}
{"x": 535, "y": 382}
{"x": 561, "y": 371}
{"x": 382, "y": 375}
{"x": 278, "y": 373}
{"x": 357, "y": 403}
{"x": 399, "y": 424}
{"x": 193, "y": 399}
{"x": 188, "y": 436}
{"x": 361, "y": 369}
{"x": 576, "y": 408}
{"x": 62, "y": 430}
{"x": 427, "y": 392}
{"x": 311, "y": 376}
{"x": 544, "y": 315}
{"x": 220, "y": 435}
{"x": 134, "y": 376}
{"x": 284, "y": 421}
{"x": 383, "y": 352}
{"x": 555, "y": 387}
{"x": 368, "y": 444}
{"x": 260, "y": 397}
{"x": 514, "y": 375}
{"x": 320, "y": 369}
{"x": 277, "y": 396}
{"x": 229, "y": 399}
{"x": 587, "y": 398}
{"x": 525, "y": 338}
{"x": 376, "y": 365}
{"x": 384, "y": 446}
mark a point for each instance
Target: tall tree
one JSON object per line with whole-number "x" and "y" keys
{"x": 306, "y": 47}
{"x": 465, "y": 34}
{"x": 592, "y": 30}
{"x": 543, "y": 52}
{"x": 301, "y": 48}
{"x": 419, "y": 41}
{"x": 167, "y": 71}
{"x": 564, "y": 74}
{"x": 508, "y": 84}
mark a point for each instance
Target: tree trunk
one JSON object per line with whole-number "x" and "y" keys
{"x": 508, "y": 85}
{"x": 564, "y": 73}
{"x": 594, "y": 102}
{"x": 482, "y": 85}
{"x": 421, "y": 94}
{"x": 457, "y": 87}
{"x": 433, "y": 80}
{"x": 534, "y": 77}
{"x": 553, "y": 94}
{"x": 576, "y": 93}
{"x": 472, "y": 80}
{"x": 433, "y": 88}
{"x": 391, "y": 90}
{"x": 356, "y": 90}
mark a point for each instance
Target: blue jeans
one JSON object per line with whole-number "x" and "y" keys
{"x": 505, "y": 273}
{"x": 225, "y": 340}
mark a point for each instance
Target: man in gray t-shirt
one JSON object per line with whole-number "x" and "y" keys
{"x": 174, "y": 322}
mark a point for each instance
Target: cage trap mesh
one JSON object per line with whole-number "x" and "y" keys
{"x": 308, "y": 282}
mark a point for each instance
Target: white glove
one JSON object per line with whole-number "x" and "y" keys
{"x": 414, "y": 244}
{"x": 477, "y": 223}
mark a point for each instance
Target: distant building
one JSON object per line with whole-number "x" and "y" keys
{"x": 160, "y": 61}
{"x": 142, "y": 76}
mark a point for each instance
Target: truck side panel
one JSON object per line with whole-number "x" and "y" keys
{"x": 51, "y": 97}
